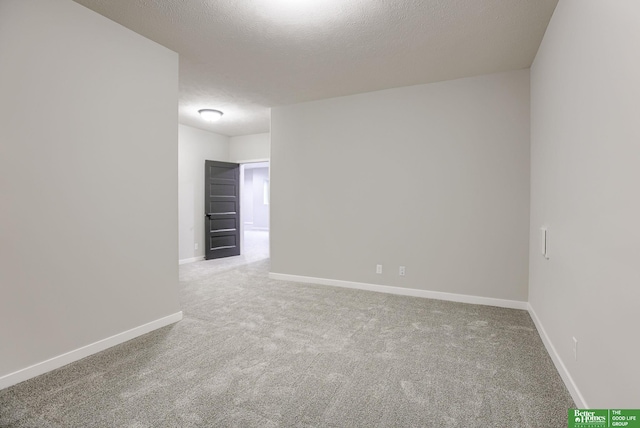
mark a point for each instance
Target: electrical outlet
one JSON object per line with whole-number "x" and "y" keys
{"x": 402, "y": 271}
{"x": 378, "y": 269}
{"x": 196, "y": 246}
{"x": 575, "y": 349}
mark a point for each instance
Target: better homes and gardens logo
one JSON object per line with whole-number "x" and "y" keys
{"x": 589, "y": 418}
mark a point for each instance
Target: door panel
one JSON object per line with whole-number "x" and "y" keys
{"x": 222, "y": 242}
{"x": 222, "y": 189}
{"x": 222, "y": 209}
{"x": 219, "y": 206}
{"x": 223, "y": 223}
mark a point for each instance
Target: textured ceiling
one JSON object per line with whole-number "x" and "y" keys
{"x": 245, "y": 56}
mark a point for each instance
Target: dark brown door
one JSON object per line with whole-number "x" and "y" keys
{"x": 222, "y": 209}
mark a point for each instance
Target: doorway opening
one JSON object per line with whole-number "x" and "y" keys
{"x": 254, "y": 210}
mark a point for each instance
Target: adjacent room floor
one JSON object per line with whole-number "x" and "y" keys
{"x": 255, "y": 352}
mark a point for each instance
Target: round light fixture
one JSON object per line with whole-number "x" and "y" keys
{"x": 210, "y": 114}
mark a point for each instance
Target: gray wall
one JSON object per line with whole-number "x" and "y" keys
{"x": 249, "y": 148}
{"x": 194, "y": 147}
{"x": 88, "y": 168}
{"x": 433, "y": 177}
{"x": 585, "y": 178}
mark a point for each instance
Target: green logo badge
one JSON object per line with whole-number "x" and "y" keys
{"x": 603, "y": 418}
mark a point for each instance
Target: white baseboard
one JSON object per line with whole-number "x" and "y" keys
{"x": 77, "y": 354}
{"x": 191, "y": 260}
{"x": 438, "y": 295}
{"x": 555, "y": 357}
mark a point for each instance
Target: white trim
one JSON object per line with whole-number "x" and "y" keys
{"x": 242, "y": 207}
{"x": 93, "y": 348}
{"x": 191, "y": 260}
{"x": 258, "y": 160}
{"x": 557, "y": 361}
{"x": 463, "y": 298}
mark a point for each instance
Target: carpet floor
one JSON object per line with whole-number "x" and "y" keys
{"x": 256, "y": 352}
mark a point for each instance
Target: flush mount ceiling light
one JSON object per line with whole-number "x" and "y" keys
{"x": 297, "y": 14}
{"x": 210, "y": 114}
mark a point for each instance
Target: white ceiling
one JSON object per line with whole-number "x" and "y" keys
{"x": 245, "y": 56}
